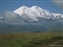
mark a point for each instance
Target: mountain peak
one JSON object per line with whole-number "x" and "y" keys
{"x": 20, "y": 10}
{"x": 24, "y": 7}
{"x": 35, "y": 11}
{"x": 34, "y": 6}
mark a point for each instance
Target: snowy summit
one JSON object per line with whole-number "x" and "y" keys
{"x": 35, "y": 11}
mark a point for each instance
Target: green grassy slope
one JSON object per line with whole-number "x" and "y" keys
{"x": 31, "y": 39}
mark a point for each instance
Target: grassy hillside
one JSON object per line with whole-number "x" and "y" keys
{"x": 31, "y": 39}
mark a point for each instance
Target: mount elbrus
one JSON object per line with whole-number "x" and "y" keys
{"x": 32, "y": 19}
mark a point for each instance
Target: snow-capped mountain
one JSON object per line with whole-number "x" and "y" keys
{"x": 34, "y": 12}
{"x": 31, "y": 19}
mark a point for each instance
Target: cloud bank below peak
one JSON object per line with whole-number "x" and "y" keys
{"x": 31, "y": 15}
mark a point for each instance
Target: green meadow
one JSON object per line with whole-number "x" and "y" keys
{"x": 29, "y": 39}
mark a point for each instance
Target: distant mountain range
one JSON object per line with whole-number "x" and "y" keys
{"x": 31, "y": 19}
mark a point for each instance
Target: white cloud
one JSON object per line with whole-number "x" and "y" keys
{"x": 1, "y": 17}
{"x": 12, "y": 18}
{"x": 58, "y": 2}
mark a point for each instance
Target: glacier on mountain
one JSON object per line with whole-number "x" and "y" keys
{"x": 30, "y": 15}
{"x": 35, "y": 11}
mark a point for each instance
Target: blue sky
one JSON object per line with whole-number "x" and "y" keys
{"x": 11, "y": 5}
{"x": 25, "y": 0}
